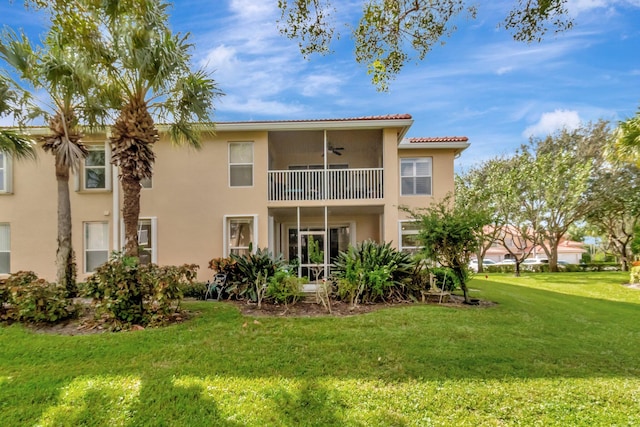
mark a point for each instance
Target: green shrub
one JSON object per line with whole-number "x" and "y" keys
{"x": 233, "y": 285}
{"x": 445, "y": 278}
{"x": 600, "y": 266}
{"x": 4, "y": 299}
{"x": 371, "y": 272}
{"x": 284, "y": 287}
{"x": 195, "y": 290}
{"x": 254, "y": 271}
{"x": 635, "y": 275}
{"x": 30, "y": 299}
{"x": 126, "y": 293}
{"x": 500, "y": 268}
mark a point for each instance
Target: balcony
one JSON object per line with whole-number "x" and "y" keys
{"x": 325, "y": 184}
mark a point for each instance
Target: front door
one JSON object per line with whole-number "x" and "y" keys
{"x": 312, "y": 256}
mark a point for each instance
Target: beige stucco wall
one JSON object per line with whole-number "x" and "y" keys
{"x": 191, "y": 196}
{"x": 31, "y": 211}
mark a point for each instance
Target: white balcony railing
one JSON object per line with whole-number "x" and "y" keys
{"x": 330, "y": 184}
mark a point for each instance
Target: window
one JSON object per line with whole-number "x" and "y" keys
{"x": 415, "y": 176}
{"x": 409, "y": 231}
{"x": 240, "y": 235}
{"x": 97, "y": 169}
{"x": 5, "y": 173}
{"x": 96, "y": 245}
{"x": 241, "y": 164}
{"x": 5, "y": 249}
{"x": 147, "y": 240}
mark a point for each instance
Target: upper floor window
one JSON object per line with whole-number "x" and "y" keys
{"x": 415, "y": 176}
{"x": 241, "y": 164}
{"x": 5, "y": 249}
{"x": 5, "y": 173}
{"x": 95, "y": 168}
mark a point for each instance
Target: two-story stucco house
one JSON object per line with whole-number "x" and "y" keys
{"x": 271, "y": 184}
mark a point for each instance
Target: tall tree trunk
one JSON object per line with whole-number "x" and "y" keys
{"x": 65, "y": 264}
{"x": 130, "y": 212}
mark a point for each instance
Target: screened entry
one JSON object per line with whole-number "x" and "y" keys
{"x": 314, "y": 248}
{"x": 311, "y": 238}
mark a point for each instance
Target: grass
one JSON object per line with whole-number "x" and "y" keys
{"x": 557, "y": 349}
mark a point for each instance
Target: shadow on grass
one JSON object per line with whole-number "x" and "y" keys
{"x": 205, "y": 369}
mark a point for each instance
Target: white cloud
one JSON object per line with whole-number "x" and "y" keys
{"x": 321, "y": 84}
{"x": 251, "y": 10}
{"x": 552, "y": 122}
{"x": 258, "y": 69}
{"x": 579, "y": 6}
{"x": 258, "y": 106}
{"x": 504, "y": 70}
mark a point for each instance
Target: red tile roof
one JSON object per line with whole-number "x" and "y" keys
{"x": 422, "y": 140}
{"x": 347, "y": 119}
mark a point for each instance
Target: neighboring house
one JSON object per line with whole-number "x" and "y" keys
{"x": 271, "y": 184}
{"x": 568, "y": 251}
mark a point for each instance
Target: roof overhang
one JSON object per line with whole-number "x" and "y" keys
{"x": 457, "y": 146}
{"x": 401, "y": 121}
{"x": 403, "y": 124}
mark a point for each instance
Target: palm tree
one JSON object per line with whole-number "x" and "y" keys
{"x": 61, "y": 71}
{"x": 11, "y": 103}
{"x": 627, "y": 140}
{"x": 149, "y": 74}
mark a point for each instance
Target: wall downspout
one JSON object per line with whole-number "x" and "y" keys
{"x": 115, "y": 194}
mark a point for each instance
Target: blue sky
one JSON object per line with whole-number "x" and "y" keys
{"x": 480, "y": 84}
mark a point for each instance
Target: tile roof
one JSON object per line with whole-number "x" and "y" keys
{"x": 422, "y": 140}
{"x": 347, "y": 119}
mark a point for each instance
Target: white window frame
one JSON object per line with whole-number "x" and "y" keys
{"x": 8, "y": 249}
{"x": 226, "y": 228}
{"x": 154, "y": 235}
{"x": 401, "y": 233}
{"x": 81, "y": 182}
{"x": 86, "y": 243}
{"x": 414, "y": 175}
{"x": 6, "y": 185}
{"x": 234, "y": 143}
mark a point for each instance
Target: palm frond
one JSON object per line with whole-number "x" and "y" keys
{"x": 19, "y": 146}
{"x": 627, "y": 140}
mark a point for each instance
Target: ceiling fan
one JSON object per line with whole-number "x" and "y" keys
{"x": 335, "y": 150}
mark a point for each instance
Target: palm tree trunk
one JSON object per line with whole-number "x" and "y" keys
{"x": 65, "y": 264}
{"x": 130, "y": 212}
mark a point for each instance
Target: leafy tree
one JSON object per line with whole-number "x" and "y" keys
{"x": 497, "y": 187}
{"x": 449, "y": 234}
{"x": 13, "y": 102}
{"x": 65, "y": 75}
{"x": 520, "y": 208}
{"x": 559, "y": 178}
{"x": 148, "y": 75}
{"x": 388, "y": 27}
{"x": 614, "y": 210}
{"x": 480, "y": 188}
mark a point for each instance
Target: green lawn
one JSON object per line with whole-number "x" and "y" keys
{"x": 557, "y": 349}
